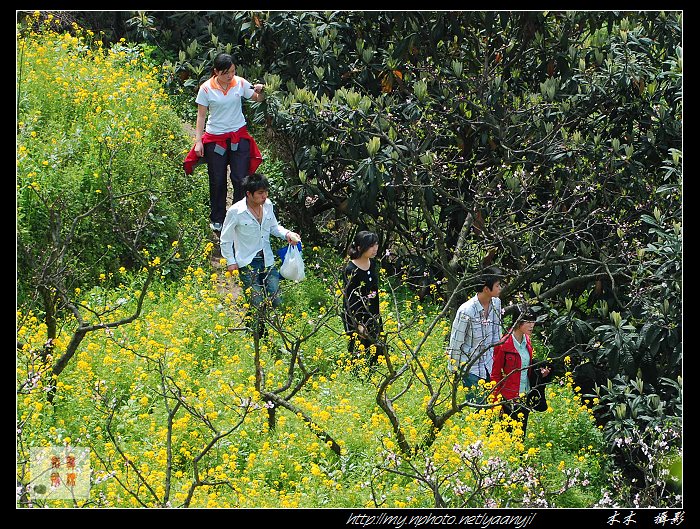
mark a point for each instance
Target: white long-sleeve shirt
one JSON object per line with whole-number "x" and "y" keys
{"x": 243, "y": 231}
{"x": 473, "y": 337}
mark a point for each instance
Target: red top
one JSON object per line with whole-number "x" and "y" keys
{"x": 506, "y": 362}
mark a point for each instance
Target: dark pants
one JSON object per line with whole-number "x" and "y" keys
{"x": 355, "y": 341}
{"x": 263, "y": 282}
{"x": 218, "y": 162}
{"x": 475, "y": 393}
{"x": 513, "y": 410}
{"x": 260, "y": 283}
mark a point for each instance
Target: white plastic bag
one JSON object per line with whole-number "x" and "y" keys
{"x": 293, "y": 265}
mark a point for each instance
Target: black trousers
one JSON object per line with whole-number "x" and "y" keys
{"x": 218, "y": 163}
{"x": 353, "y": 347}
{"x": 513, "y": 410}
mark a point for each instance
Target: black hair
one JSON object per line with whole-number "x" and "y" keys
{"x": 489, "y": 276}
{"x": 254, "y": 182}
{"x": 363, "y": 240}
{"x": 222, "y": 62}
{"x": 522, "y": 313}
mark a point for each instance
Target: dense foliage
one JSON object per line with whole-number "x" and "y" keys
{"x": 546, "y": 143}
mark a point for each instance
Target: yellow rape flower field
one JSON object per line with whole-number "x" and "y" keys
{"x": 175, "y": 412}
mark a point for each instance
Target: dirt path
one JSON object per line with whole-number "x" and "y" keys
{"x": 224, "y": 285}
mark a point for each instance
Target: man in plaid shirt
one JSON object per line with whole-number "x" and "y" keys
{"x": 475, "y": 331}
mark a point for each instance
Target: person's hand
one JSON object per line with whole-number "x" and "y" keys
{"x": 258, "y": 88}
{"x": 232, "y": 267}
{"x": 545, "y": 371}
{"x": 199, "y": 148}
{"x": 293, "y": 238}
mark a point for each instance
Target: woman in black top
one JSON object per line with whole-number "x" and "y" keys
{"x": 361, "y": 317}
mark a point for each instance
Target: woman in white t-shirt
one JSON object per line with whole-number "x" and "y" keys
{"x": 221, "y": 136}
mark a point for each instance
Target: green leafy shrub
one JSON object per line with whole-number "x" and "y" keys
{"x": 99, "y": 154}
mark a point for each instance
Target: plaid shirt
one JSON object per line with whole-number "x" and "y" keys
{"x": 473, "y": 337}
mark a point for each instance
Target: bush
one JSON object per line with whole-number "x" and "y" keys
{"x": 99, "y": 155}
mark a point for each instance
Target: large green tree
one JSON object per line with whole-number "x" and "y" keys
{"x": 543, "y": 142}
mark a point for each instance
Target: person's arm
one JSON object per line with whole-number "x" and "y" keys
{"x": 199, "y": 129}
{"x": 460, "y": 327}
{"x": 498, "y": 364}
{"x": 374, "y": 290}
{"x": 543, "y": 372}
{"x": 252, "y": 91}
{"x": 258, "y": 92}
{"x": 226, "y": 240}
{"x": 280, "y": 231}
{"x": 353, "y": 293}
{"x": 497, "y": 334}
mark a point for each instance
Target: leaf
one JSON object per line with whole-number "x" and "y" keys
{"x": 650, "y": 332}
{"x": 649, "y": 219}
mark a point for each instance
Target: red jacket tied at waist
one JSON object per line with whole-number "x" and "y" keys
{"x": 193, "y": 159}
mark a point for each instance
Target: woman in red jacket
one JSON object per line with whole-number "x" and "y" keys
{"x": 512, "y": 367}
